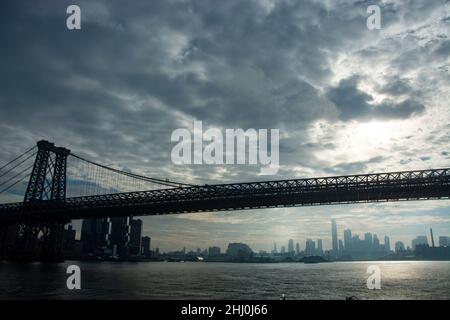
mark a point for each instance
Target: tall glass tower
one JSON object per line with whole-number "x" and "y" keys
{"x": 334, "y": 237}
{"x": 291, "y": 246}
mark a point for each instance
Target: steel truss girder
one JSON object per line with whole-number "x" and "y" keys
{"x": 377, "y": 187}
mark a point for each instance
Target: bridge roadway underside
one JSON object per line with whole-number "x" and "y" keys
{"x": 219, "y": 198}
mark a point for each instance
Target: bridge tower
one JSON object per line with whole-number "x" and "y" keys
{"x": 36, "y": 239}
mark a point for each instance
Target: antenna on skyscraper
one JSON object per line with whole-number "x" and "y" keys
{"x": 432, "y": 238}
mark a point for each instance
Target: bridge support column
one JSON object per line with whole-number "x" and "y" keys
{"x": 25, "y": 246}
{"x": 47, "y": 183}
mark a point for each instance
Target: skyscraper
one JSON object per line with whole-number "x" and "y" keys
{"x": 432, "y": 237}
{"x": 213, "y": 251}
{"x": 399, "y": 246}
{"x": 334, "y": 236}
{"x": 310, "y": 248}
{"x": 146, "y": 245}
{"x": 376, "y": 243}
{"x": 120, "y": 236}
{"x": 368, "y": 239}
{"x": 291, "y": 246}
{"x": 297, "y": 248}
{"x": 419, "y": 240}
{"x": 356, "y": 243}
{"x": 69, "y": 236}
{"x": 348, "y": 240}
{"x": 341, "y": 246}
{"x": 95, "y": 235}
{"x": 135, "y": 236}
{"x": 387, "y": 244}
{"x": 319, "y": 247}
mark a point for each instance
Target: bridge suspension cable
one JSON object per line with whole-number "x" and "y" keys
{"x": 84, "y": 177}
{"x": 16, "y": 181}
{"x": 18, "y": 164}
{"x": 136, "y": 176}
{"x": 13, "y": 173}
{"x": 18, "y": 157}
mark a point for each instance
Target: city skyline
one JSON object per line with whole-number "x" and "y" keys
{"x": 315, "y": 246}
{"x": 293, "y": 245}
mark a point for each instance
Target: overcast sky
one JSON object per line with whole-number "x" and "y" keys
{"x": 345, "y": 98}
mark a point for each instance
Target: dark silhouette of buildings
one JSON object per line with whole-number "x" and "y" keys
{"x": 135, "y": 237}
{"x": 115, "y": 237}
{"x": 120, "y": 236}
{"x": 213, "y": 251}
{"x": 444, "y": 241}
{"x": 95, "y": 236}
{"x": 239, "y": 251}
{"x": 69, "y": 238}
{"x": 424, "y": 251}
{"x": 146, "y": 246}
{"x": 399, "y": 247}
{"x": 419, "y": 240}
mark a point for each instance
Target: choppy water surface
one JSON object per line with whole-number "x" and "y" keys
{"x": 163, "y": 280}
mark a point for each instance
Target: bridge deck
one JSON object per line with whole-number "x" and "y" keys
{"x": 376, "y": 187}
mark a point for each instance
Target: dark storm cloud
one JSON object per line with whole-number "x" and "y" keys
{"x": 246, "y": 51}
{"x": 67, "y": 87}
{"x": 135, "y": 72}
{"x": 118, "y": 87}
{"x": 355, "y": 103}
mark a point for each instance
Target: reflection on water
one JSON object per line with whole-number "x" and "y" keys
{"x": 159, "y": 280}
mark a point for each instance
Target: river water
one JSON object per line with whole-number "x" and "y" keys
{"x": 201, "y": 280}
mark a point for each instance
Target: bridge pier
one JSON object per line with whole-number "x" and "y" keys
{"x": 36, "y": 239}
{"x": 31, "y": 242}
{"x": 25, "y": 245}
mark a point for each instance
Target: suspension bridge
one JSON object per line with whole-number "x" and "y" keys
{"x": 56, "y": 186}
